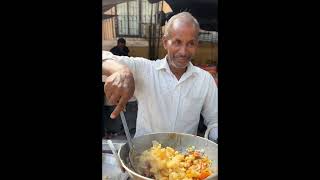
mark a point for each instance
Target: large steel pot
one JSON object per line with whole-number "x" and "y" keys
{"x": 178, "y": 141}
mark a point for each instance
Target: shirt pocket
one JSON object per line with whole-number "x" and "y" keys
{"x": 165, "y": 89}
{"x": 191, "y": 109}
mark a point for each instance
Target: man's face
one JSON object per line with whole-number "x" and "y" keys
{"x": 181, "y": 45}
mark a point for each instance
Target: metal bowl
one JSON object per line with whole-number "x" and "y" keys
{"x": 178, "y": 141}
{"x": 110, "y": 169}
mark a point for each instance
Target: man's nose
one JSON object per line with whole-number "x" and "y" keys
{"x": 183, "y": 51}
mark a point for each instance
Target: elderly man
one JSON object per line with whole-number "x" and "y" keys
{"x": 171, "y": 92}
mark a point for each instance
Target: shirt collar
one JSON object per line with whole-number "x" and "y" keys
{"x": 163, "y": 64}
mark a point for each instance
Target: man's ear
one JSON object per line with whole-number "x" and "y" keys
{"x": 165, "y": 42}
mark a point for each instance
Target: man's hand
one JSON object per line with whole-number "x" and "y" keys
{"x": 119, "y": 88}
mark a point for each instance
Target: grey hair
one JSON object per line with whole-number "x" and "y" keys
{"x": 184, "y": 17}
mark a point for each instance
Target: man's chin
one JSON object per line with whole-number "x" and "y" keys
{"x": 181, "y": 66}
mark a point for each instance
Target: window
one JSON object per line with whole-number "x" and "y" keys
{"x": 208, "y": 36}
{"x": 133, "y": 15}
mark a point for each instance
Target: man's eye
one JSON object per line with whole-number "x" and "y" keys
{"x": 191, "y": 44}
{"x": 176, "y": 42}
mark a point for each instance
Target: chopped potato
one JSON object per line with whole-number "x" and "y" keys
{"x": 165, "y": 163}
